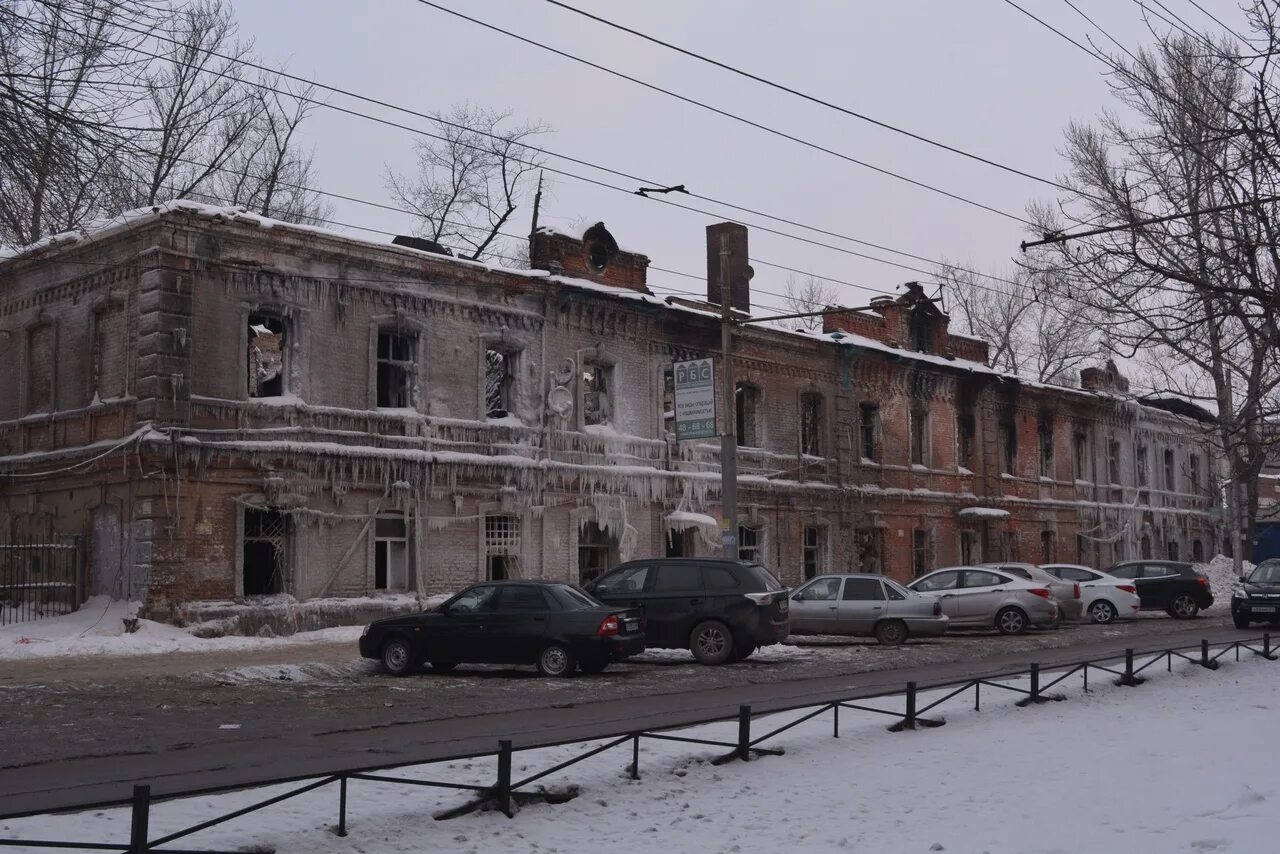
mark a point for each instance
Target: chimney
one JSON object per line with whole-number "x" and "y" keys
{"x": 594, "y": 256}
{"x": 740, "y": 271}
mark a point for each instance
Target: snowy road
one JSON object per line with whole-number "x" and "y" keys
{"x": 88, "y": 729}
{"x": 1103, "y": 771}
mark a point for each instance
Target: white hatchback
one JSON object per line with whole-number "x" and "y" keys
{"x": 1104, "y": 598}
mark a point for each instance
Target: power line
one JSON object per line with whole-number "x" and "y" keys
{"x": 806, "y": 96}
{"x": 725, "y": 113}
{"x": 1218, "y": 21}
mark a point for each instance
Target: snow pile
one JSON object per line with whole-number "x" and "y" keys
{"x": 1223, "y": 580}
{"x": 869, "y": 790}
{"x": 284, "y": 615}
{"x": 773, "y": 652}
{"x": 98, "y": 628}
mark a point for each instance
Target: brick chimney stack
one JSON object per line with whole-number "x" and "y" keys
{"x": 739, "y": 270}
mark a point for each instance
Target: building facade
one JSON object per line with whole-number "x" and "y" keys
{"x": 225, "y": 407}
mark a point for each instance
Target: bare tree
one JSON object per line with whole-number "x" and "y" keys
{"x": 201, "y": 110}
{"x": 1195, "y": 295}
{"x": 807, "y": 295}
{"x": 471, "y": 180}
{"x": 66, "y": 68}
{"x": 271, "y": 174}
{"x": 1032, "y": 331}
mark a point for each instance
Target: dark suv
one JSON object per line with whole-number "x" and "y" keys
{"x": 718, "y": 609}
{"x": 1259, "y": 595}
{"x": 1167, "y": 585}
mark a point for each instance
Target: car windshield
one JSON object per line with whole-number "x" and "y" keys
{"x": 1267, "y": 572}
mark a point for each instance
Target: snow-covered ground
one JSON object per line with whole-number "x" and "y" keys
{"x": 1137, "y": 770}
{"x": 1222, "y": 581}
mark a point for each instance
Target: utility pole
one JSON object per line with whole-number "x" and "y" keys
{"x": 728, "y": 436}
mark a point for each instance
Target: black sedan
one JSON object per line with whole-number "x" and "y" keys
{"x": 555, "y": 626}
{"x": 1258, "y": 598}
{"x": 1167, "y": 585}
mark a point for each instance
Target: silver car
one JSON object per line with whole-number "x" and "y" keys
{"x": 862, "y": 604}
{"x": 977, "y": 596}
{"x": 1066, "y": 591}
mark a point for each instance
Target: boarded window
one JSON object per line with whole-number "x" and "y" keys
{"x": 747, "y": 410}
{"x": 597, "y": 393}
{"x": 266, "y": 541}
{"x": 869, "y": 414}
{"x": 501, "y": 546}
{"x": 499, "y": 383}
{"x": 390, "y": 553}
{"x": 811, "y": 424}
{"x": 266, "y": 356}
{"x": 814, "y": 555}
{"x": 395, "y": 369}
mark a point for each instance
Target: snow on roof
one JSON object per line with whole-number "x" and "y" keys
{"x": 984, "y": 512}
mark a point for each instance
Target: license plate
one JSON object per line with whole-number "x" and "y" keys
{"x": 633, "y": 625}
{"x": 783, "y": 605}
{"x": 1264, "y": 609}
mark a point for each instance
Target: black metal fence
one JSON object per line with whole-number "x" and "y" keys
{"x": 505, "y": 792}
{"x": 40, "y": 578}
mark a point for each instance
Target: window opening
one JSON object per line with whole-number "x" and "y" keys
{"x": 1140, "y": 457}
{"x": 747, "y": 405}
{"x": 969, "y": 551}
{"x": 669, "y": 401}
{"x": 595, "y": 550}
{"x": 597, "y": 389}
{"x": 868, "y": 544}
{"x": 919, "y": 552}
{"x": 748, "y": 543}
{"x": 266, "y": 537}
{"x": 1080, "y": 447}
{"x": 1170, "y": 475}
{"x": 1172, "y": 549}
{"x": 501, "y": 546}
{"x": 395, "y": 369}
{"x": 920, "y": 433}
{"x": 966, "y": 430}
{"x": 811, "y": 424}
{"x": 1194, "y": 473}
{"x": 869, "y": 414}
{"x": 1197, "y": 551}
{"x": 499, "y": 382}
{"x": 814, "y": 537}
{"x": 1046, "y": 546}
{"x": 1008, "y": 436}
{"x": 391, "y": 553}
{"x": 1113, "y": 461}
{"x": 266, "y": 356}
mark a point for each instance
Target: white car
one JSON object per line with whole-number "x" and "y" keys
{"x": 1105, "y": 598}
{"x": 977, "y": 596}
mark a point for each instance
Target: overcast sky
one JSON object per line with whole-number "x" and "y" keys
{"x": 977, "y": 74}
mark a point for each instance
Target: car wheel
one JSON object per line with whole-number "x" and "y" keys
{"x": 398, "y": 657}
{"x": 711, "y": 642}
{"x": 1011, "y": 621}
{"x": 1102, "y": 612}
{"x": 1241, "y": 622}
{"x": 443, "y": 666}
{"x": 594, "y": 664}
{"x": 556, "y": 660}
{"x": 891, "y": 632}
{"x": 1184, "y": 606}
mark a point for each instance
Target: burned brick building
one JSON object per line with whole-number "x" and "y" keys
{"x": 225, "y": 407}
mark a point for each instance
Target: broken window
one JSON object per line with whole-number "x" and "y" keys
{"x": 395, "y": 368}
{"x": 921, "y": 559}
{"x": 390, "y": 553}
{"x": 747, "y": 409}
{"x": 920, "y": 433}
{"x": 868, "y": 413}
{"x": 966, "y": 431}
{"x": 868, "y": 544}
{"x": 1194, "y": 473}
{"x": 748, "y": 543}
{"x": 814, "y": 555}
{"x": 1046, "y": 447}
{"x": 597, "y": 393}
{"x": 970, "y": 553}
{"x": 811, "y": 424}
{"x": 1170, "y": 475}
{"x": 501, "y": 546}
{"x": 595, "y": 549}
{"x": 1080, "y": 455}
{"x": 1113, "y": 461}
{"x": 1046, "y": 546}
{"x": 1008, "y": 436}
{"x": 266, "y": 539}
{"x": 266, "y": 355}
{"x": 499, "y": 383}
{"x": 1140, "y": 464}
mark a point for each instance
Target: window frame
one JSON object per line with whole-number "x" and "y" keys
{"x": 286, "y": 334}
{"x": 405, "y": 539}
{"x": 812, "y": 423}
{"x": 410, "y": 367}
{"x": 742, "y": 391}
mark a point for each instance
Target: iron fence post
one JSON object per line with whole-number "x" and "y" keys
{"x": 1266, "y": 644}
{"x": 835, "y": 723}
{"x": 1035, "y": 683}
{"x": 139, "y": 828}
{"x": 977, "y": 696}
{"x": 744, "y": 733}
{"x": 342, "y": 806}
{"x": 1129, "y": 678}
{"x": 503, "y": 789}
{"x": 635, "y": 757}
{"x": 1204, "y": 656}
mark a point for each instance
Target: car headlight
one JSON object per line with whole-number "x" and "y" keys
{"x": 1240, "y": 594}
{"x": 366, "y": 631}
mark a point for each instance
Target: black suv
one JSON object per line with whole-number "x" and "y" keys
{"x": 718, "y": 609}
{"x": 1259, "y": 595}
{"x": 1167, "y": 585}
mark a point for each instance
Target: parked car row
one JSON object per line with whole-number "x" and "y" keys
{"x": 723, "y": 610}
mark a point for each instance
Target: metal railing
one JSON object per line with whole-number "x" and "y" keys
{"x": 40, "y": 578}
{"x": 504, "y": 792}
